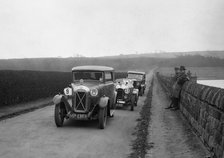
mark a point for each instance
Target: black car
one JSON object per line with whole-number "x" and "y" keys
{"x": 139, "y": 82}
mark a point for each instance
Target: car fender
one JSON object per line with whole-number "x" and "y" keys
{"x": 103, "y": 102}
{"x": 115, "y": 97}
{"x": 59, "y": 98}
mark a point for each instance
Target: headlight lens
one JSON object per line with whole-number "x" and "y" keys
{"x": 126, "y": 90}
{"x": 135, "y": 91}
{"x": 94, "y": 92}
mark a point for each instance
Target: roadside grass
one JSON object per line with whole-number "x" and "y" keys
{"x": 140, "y": 145}
{"x": 25, "y": 109}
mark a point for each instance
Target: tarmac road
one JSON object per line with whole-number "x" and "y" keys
{"x": 35, "y": 135}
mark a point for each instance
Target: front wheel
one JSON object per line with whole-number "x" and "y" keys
{"x": 59, "y": 115}
{"x": 144, "y": 90}
{"x": 141, "y": 92}
{"x": 102, "y": 117}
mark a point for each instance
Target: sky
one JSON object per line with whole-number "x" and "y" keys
{"x": 59, "y": 28}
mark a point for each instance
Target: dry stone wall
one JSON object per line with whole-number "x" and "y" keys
{"x": 203, "y": 106}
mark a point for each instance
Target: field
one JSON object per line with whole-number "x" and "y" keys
{"x": 203, "y": 73}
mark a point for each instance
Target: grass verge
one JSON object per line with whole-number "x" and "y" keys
{"x": 140, "y": 145}
{"x": 23, "y": 111}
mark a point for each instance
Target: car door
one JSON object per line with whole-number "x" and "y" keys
{"x": 109, "y": 85}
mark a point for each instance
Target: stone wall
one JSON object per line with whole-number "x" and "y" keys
{"x": 203, "y": 106}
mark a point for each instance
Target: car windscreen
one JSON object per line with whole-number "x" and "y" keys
{"x": 87, "y": 75}
{"x": 135, "y": 76}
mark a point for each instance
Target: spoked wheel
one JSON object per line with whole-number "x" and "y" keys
{"x": 102, "y": 117}
{"x": 59, "y": 115}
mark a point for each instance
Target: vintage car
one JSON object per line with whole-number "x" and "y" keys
{"x": 91, "y": 95}
{"x": 126, "y": 93}
{"x": 139, "y": 80}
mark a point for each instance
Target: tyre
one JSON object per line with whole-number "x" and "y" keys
{"x": 59, "y": 115}
{"x": 136, "y": 100}
{"x": 132, "y": 103}
{"x": 102, "y": 117}
{"x": 141, "y": 92}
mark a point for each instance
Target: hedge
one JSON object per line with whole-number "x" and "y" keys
{"x": 23, "y": 86}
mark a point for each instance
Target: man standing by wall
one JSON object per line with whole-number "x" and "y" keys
{"x": 181, "y": 78}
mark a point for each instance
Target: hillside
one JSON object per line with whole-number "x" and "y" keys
{"x": 119, "y": 63}
{"x": 217, "y": 54}
{"x": 66, "y": 64}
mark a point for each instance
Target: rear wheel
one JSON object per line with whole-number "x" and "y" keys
{"x": 136, "y": 100}
{"x": 132, "y": 103}
{"x": 102, "y": 117}
{"x": 141, "y": 92}
{"x": 59, "y": 115}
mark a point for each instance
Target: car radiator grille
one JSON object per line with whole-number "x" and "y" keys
{"x": 120, "y": 93}
{"x": 80, "y": 101}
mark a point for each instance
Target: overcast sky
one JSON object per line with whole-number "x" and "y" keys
{"x": 51, "y": 28}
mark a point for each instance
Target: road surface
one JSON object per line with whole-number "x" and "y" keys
{"x": 35, "y": 135}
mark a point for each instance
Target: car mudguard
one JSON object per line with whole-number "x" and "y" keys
{"x": 59, "y": 98}
{"x": 103, "y": 102}
{"x": 115, "y": 97}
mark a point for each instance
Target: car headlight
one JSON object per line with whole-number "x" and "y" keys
{"x": 94, "y": 92}
{"x": 135, "y": 91}
{"x": 68, "y": 91}
{"x": 126, "y": 90}
{"x": 118, "y": 86}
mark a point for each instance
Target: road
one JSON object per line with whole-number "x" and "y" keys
{"x": 35, "y": 135}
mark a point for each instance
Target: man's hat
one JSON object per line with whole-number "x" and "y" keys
{"x": 182, "y": 68}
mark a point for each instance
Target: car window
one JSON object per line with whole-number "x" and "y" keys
{"x": 87, "y": 75}
{"x": 108, "y": 76}
{"x": 135, "y": 76}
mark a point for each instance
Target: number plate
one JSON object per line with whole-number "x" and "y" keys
{"x": 81, "y": 116}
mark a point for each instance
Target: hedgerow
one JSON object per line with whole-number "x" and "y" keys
{"x": 23, "y": 86}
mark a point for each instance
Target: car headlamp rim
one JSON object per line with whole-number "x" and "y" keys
{"x": 126, "y": 90}
{"x": 94, "y": 92}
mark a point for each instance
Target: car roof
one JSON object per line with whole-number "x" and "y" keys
{"x": 93, "y": 67}
{"x": 136, "y": 72}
